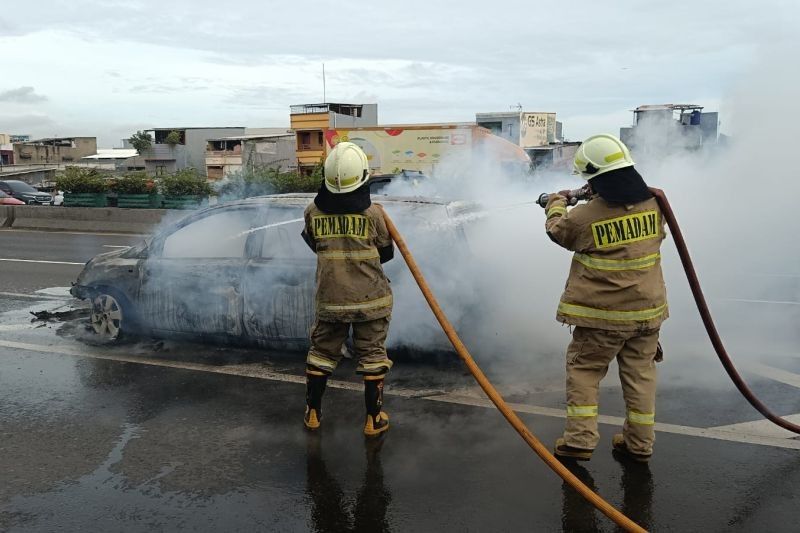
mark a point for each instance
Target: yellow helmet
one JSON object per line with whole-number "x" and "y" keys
{"x": 346, "y": 168}
{"x": 600, "y": 154}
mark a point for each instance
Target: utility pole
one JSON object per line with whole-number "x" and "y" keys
{"x": 324, "y": 88}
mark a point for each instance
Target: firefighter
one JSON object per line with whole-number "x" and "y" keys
{"x": 349, "y": 236}
{"x": 614, "y": 297}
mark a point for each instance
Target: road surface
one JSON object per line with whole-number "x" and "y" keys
{"x": 167, "y": 435}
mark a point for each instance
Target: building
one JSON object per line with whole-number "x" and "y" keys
{"x": 270, "y": 147}
{"x": 58, "y": 150}
{"x": 119, "y": 159}
{"x": 558, "y": 156}
{"x": 426, "y": 147}
{"x": 667, "y": 127}
{"x": 6, "y": 149}
{"x": 538, "y": 133}
{"x": 524, "y": 128}
{"x": 312, "y": 122}
{"x": 189, "y": 150}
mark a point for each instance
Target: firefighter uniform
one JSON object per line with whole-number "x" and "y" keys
{"x": 616, "y": 299}
{"x": 352, "y": 290}
{"x": 349, "y": 235}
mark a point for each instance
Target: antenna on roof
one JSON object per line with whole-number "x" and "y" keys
{"x": 518, "y": 107}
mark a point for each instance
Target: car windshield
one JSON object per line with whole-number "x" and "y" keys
{"x": 3, "y": 195}
{"x": 19, "y": 186}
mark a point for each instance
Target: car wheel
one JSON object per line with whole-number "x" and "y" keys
{"x": 108, "y": 317}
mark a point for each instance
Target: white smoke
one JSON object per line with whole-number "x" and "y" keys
{"x": 736, "y": 205}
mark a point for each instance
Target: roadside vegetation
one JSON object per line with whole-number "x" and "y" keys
{"x": 266, "y": 180}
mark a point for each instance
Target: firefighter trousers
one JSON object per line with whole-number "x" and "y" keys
{"x": 369, "y": 345}
{"x": 588, "y": 357}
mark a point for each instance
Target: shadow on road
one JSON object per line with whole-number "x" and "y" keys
{"x": 330, "y": 509}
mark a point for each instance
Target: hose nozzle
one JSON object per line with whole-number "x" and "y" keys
{"x": 573, "y": 196}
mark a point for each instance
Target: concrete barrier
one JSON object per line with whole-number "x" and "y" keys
{"x": 6, "y": 216}
{"x": 92, "y": 219}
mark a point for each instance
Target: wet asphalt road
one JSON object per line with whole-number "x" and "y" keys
{"x": 33, "y": 260}
{"x": 204, "y": 438}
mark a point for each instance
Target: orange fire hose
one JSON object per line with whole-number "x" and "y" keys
{"x": 708, "y": 322}
{"x": 605, "y": 507}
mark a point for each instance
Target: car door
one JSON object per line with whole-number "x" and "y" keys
{"x": 278, "y": 285}
{"x": 192, "y": 278}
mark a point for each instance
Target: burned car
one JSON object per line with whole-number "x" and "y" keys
{"x": 240, "y": 271}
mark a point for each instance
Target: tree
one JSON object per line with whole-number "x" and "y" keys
{"x": 173, "y": 138}
{"x": 142, "y": 141}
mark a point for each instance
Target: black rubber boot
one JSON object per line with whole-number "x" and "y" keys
{"x": 377, "y": 420}
{"x": 315, "y": 388}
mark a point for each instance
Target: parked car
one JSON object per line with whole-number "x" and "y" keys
{"x": 22, "y": 191}
{"x": 9, "y": 200}
{"x": 239, "y": 271}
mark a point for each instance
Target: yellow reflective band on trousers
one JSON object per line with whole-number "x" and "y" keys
{"x": 642, "y": 315}
{"x": 367, "y": 367}
{"x": 581, "y": 410}
{"x": 343, "y": 254}
{"x": 321, "y": 362}
{"x": 386, "y": 301}
{"x": 617, "y": 264}
{"x": 645, "y": 419}
{"x": 556, "y": 210}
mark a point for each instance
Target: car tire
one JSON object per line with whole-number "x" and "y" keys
{"x": 110, "y": 317}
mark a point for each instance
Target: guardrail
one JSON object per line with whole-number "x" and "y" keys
{"x": 88, "y": 219}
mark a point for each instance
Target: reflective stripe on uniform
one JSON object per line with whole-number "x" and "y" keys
{"x": 386, "y": 301}
{"x": 556, "y": 210}
{"x": 321, "y": 362}
{"x": 375, "y": 367}
{"x": 645, "y": 419}
{"x": 581, "y": 410}
{"x": 342, "y": 254}
{"x": 617, "y": 316}
{"x": 617, "y": 264}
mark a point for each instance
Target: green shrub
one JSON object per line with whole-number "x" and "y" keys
{"x": 173, "y": 138}
{"x": 186, "y": 182}
{"x": 134, "y": 183}
{"x": 265, "y": 180}
{"x": 81, "y": 181}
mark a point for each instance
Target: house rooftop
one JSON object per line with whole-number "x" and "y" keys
{"x": 342, "y": 109}
{"x": 665, "y": 107}
{"x": 199, "y": 128}
{"x": 55, "y": 139}
{"x": 254, "y": 136}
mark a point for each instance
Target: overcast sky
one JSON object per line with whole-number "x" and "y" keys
{"x": 106, "y": 68}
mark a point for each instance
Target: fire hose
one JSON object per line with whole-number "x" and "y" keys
{"x": 604, "y": 507}
{"x": 708, "y": 322}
